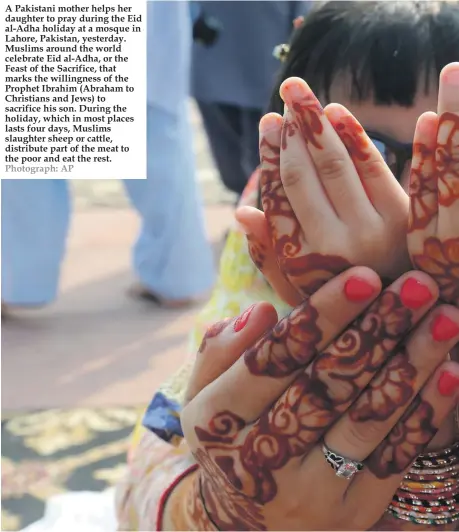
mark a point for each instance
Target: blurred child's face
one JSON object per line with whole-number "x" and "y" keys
{"x": 392, "y": 127}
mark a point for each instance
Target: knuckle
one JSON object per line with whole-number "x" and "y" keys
{"x": 331, "y": 167}
{"x": 339, "y": 390}
{"x": 374, "y": 168}
{"x": 290, "y": 174}
{"x": 362, "y": 435}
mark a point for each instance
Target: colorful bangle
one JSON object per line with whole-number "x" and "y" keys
{"x": 429, "y": 493}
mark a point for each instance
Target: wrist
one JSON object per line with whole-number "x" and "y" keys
{"x": 181, "y": 506}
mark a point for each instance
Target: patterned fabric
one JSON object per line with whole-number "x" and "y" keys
{"x": 47, "y": 453}
{"x": 159, "y": 454}
{"x": 152, "y": 468}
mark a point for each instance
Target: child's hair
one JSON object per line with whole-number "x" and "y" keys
{"x": 383, "y": 50}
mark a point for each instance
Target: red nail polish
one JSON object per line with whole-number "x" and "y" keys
{"x": 443, "y": 328}
{"x": 447, "y": 383}
{"x": 357, "y": 289}
{"x": 414, "y": 294}
{"x": 241, "y": 322}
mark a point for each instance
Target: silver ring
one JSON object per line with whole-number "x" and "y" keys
{"x": 343, "y": 467}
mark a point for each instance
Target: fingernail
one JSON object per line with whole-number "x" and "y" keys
{"x": 241, "y": 322}
{"x": 242, "y": 228}
{"x": 269, "y": 123}
{"x": 357, "y": 289}
{"x": 443, "y": 328}
{"x": 414, "y": 294}
{"x": 452, "y": 74}
{"x": 291, "y": 90}
{"x": 448, "y": 383}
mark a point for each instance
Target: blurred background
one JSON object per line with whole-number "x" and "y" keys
{"x": 78, "y": 371}
{"x": 76, "y": 375}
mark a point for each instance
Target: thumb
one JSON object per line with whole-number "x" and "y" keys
{"x": 225, "y": 342}
{"x": 255, "y": 225}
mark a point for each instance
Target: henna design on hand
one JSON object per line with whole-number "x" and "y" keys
{"x": 440, "y": 259}
{"x": 247, "y": 455}
{"x": 288, "y": 130}
{"x": 354, "y": 138}
{"x": 309, "y": 114}
{"x": 405, "y": 442}
{"x": 306, "y": 271}
{"x": 213, "y": 331}
{"x": 225, "y": 506}
{"x": 447, "y": 159}
{"x": 423, "y": 189}
{"x": 392, "y": 388}
{"x": 257, "y": 252}
{"x": 361, "y": 350}
{"x": 313, "y": 270}
{"x": 288, "y": 346}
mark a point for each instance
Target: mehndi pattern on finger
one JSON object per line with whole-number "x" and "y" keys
{"x": 423, "y": 189}
{"x": 309, "y": 113}
{"x": 405, "y": 442}
{"x": 306, "y": 271}
{"x": 353, "y": 137}
{"x": 391, "y": 389}
{"x": 288, "y": 346}
{"x": 447, "y": 159}
{"x": 440, "y": 259}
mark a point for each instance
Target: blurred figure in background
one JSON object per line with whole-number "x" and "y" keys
{"x": 36, "y": 212}
{"x": 232, "y": 74}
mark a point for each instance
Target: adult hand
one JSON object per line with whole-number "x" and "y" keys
{"x": 329, "y": 199}
{"x": 433, "y": 235}
{"x": 262, "y": 465}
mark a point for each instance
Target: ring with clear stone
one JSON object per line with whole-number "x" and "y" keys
{"x": 343, "y": 467}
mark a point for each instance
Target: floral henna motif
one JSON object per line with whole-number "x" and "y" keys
{"x": 392, "y": 388}
{"x": 405, "y": 442}
{"x": 288, "y": 346}
{"x": 213, "y": 331}
{"x": 440, "y": 259}
{"x": 246, "y": 456}
{"x": 447, "y": 159}
{"x": 267, "y": 446}
{"x": 360, "y": 351}
{"x": 423, "y": 189}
